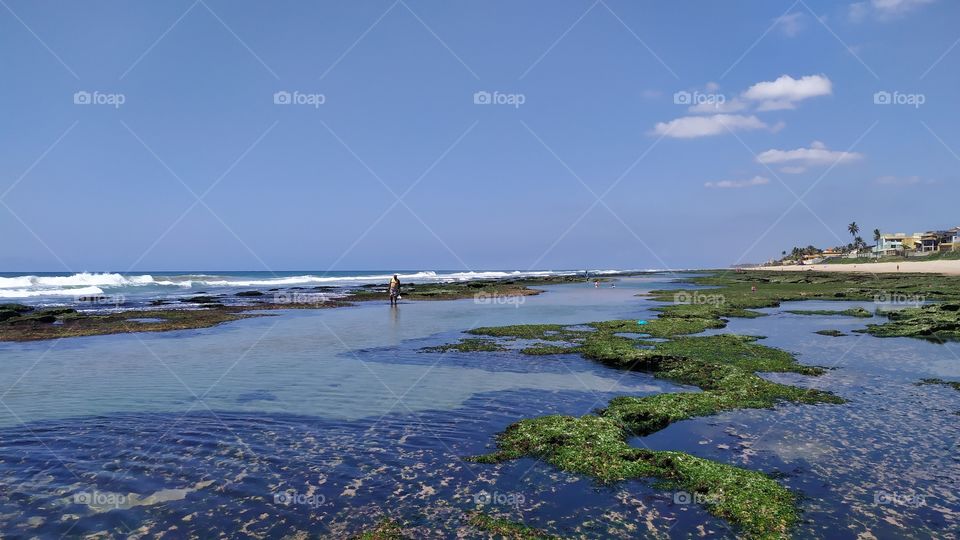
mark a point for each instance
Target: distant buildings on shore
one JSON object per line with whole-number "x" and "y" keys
{"x": 888, "y": 245}
{"x": 926, "y": 242}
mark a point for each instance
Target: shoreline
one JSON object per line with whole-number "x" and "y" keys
{"x": 944, "y": 267}
{"x": 20, "y": 323}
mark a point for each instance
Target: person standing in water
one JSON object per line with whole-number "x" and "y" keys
{"x": 394, "y": 290}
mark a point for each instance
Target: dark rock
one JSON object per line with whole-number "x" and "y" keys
{"x": 8, "y": 314}
{"x": 201, "y": 300}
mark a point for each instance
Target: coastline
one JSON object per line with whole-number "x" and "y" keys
{"x": 944, "y": 267}
{"x": 20, "y": 322}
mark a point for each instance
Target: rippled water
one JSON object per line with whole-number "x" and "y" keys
{"x": 328, "y": 421}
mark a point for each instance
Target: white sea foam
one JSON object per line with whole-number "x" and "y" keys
{"x": 83, "y": 279}
{"x": 30, "y": 293}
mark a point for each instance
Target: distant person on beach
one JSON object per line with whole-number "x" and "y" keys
{"x": 394, "y": 290}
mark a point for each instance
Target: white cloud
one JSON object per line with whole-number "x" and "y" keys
{"x": 884, "y": 9}
{"x": 690, "y": 127}
{"x": 728, "y": 184}
{"x": 790, "y": 25}
{"x": 800, "y": 158}
{"x": 785, "y": 92}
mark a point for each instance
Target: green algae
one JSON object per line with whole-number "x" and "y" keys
{"x": 831, "y": 333}
{"x": 852, "y": 312}
{"x": 727, "y": 292}
{"x": 547, "y": 349}
{"x": 937, "y": 322}
{"x": 731, "y": 294}
{"x": 723, "y": 366}
{"x": 386, "y": 529}
{"x": 596, "y": 446}
{"x": 527, "y": 331}
{"x": 468, "y": 345}
{"x": 504, "y": 528}
{"x": 952, "y": 384}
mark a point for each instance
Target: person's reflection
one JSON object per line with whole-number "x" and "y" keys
{"x": 394, "y": 320}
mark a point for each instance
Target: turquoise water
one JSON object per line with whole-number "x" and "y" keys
{"x": 326, "y": 421}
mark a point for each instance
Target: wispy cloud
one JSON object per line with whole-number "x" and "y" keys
{"x": 735, "y": 184}
{"x": 791, "y": 24}
{"x": 689, "y": 127}
{"x": 798, "y": 159}
{"x": 884, "y": 9}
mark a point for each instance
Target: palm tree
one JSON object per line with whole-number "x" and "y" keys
{"x": 876, "y": 235}
{"x": 853, "y": 229}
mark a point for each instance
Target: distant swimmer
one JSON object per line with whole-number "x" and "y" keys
{"x": 394, "y": 290}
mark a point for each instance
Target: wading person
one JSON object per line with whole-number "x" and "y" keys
{"x": 394, "y": 290}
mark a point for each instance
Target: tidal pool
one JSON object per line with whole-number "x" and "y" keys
{"x": 327, "y": 421}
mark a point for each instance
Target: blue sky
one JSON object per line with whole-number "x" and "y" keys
{"x": 786, "y": 147}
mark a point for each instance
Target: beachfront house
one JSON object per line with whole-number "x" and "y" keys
{"x": 929, "y": 242}
{"x": 892, "y": 244}
{"x": 950, "y": 239}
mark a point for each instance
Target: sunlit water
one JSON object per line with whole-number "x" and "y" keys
{"x": 327, "y": 421}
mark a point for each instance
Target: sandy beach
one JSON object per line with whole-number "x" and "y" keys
{"x": 945, "y": 267}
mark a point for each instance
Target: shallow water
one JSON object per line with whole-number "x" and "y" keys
{"x": 325, "y": 421}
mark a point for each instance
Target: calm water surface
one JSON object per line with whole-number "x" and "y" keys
{"x": 327, "y": 421}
